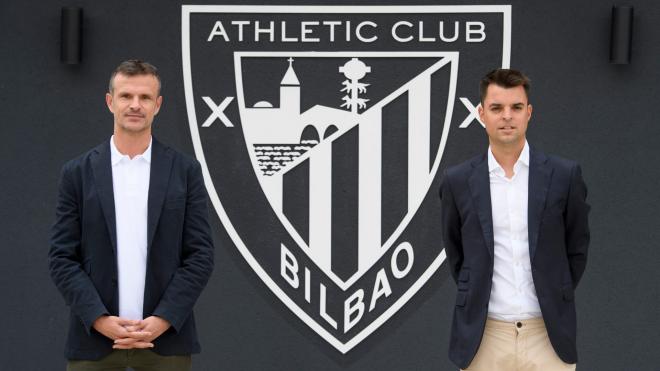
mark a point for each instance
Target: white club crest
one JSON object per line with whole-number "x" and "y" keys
{"x": 335, "y": 121}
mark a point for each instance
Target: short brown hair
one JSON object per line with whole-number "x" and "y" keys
{"x": 134, "y": 67}
{"x": 506, "y": 78}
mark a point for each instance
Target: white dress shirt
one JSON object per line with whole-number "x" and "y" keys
{"x": 513, "y": 295}
{"x": 130, "y": 181}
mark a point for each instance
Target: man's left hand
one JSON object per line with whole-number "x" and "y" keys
{"x": 154, "y": 326}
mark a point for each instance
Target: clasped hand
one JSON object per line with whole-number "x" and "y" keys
{"x": 131, "y": 334}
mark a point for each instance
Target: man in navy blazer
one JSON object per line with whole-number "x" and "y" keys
{"x": 131, "y": 247}
{"x": 515, "y": 228}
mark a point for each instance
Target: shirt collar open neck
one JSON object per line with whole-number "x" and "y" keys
{"x": 117, "y": 156}
{"x": 523, "y": 159}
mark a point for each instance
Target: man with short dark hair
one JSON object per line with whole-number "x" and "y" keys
{"x": 515, "y": 227}
{"x": 131, "y": 247}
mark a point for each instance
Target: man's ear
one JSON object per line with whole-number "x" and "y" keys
{"x": 108, "y": 101}
{"x": 159, "y": 101}
{"x": 480, "y": 110}
{"x": 529, "y": 111}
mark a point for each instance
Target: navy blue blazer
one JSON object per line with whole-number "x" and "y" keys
{"x": 558, "y": 240}
{"x": 82, "y": 256}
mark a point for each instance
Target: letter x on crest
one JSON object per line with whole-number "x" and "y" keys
{"x": 217, "y": 112}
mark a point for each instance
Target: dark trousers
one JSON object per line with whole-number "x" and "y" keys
{"x": 137, "y": 359}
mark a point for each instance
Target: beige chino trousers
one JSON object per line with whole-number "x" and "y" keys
{"x": 517, "y": 346}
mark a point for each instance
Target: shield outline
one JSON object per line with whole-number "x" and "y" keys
{"x": 187, "y": 10}
{"x": 447, "y": 58}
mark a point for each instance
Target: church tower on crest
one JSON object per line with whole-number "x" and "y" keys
{"x": 290, "y": 92}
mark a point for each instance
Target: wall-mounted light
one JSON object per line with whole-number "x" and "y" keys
{"x": 71, "y": 35}
{"x": 621, "y": 38}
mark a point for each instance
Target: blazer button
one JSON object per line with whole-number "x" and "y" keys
{"x": 519, "y": 324}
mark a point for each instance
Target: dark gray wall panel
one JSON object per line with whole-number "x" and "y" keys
{"x": 600, "y": 114}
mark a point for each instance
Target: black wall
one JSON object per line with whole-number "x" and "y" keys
{"x": 600, "y": 114}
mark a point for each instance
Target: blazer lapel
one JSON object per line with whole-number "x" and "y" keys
{"x": 161, "y": 165}
{"x": 479, "y": 183}
{"x": 102, "y": 172}
{"x": 539, "y": 181}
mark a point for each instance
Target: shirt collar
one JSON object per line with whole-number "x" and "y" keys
{"x": 116, "y": 156}
{"x": 522, "y": 159}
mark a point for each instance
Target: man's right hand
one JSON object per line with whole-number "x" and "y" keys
{"x": 119, "y": 328}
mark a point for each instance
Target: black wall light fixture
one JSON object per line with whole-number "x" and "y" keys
{"x": 71, "y": 35}
{"x": 621, "y": 38}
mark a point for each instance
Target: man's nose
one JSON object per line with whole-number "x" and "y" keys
{"x": 135, "y": 103}
{"x": 506, "y": 113}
